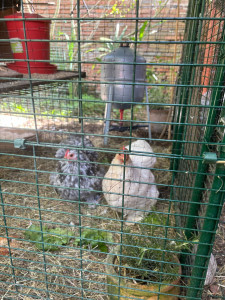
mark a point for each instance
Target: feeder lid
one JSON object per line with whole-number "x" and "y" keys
{"x": 27, "y": 16}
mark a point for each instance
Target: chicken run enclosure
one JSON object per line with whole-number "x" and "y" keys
{"x": 112, "y": 148}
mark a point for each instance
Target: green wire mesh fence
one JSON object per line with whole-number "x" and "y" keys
{"x": 112, "y": 148}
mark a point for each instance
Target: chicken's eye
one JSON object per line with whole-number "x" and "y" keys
{"x": 70, "y": 156}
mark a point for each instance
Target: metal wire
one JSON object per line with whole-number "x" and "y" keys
{"x": 54, "y": 246}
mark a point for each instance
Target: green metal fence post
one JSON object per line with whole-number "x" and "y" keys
{"x": 199, "y": 180}
{"x": 186, "y": 72}
{"x": 209, "y": 229}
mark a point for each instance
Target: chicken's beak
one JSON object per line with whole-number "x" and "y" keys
{"x": 123, "y": 157}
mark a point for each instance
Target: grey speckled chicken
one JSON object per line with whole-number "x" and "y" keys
{"x": 77, "y": 162}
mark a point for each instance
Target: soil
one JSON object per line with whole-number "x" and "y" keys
{"x": 25, "y": 204}
{"x": 54, "y": 210}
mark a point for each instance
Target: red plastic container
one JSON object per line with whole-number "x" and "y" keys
{"x": 37, "y": 50}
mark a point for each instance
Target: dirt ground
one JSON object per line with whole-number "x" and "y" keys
{"x": 63, "y": 268}
{"x": 25, "y": 204}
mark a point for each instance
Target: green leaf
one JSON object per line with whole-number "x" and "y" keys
{"x": 110, "y": 46}
{"x": 53, "y": 238}
{"x": 71, "y": 48}
{"x": 95, "y": 239}
{"x": 142, "y": 30}
{"x": 90, "y": 50}
{"x": 123, "y": 33}
{"x": 102, "y": 247}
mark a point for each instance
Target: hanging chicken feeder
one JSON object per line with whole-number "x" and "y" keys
{"x": 32, "y": 45}
{"x": 118, "y": 67}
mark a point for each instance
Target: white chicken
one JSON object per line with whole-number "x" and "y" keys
{"x": 130, "y": 175}
{"x": 144, "y": 156}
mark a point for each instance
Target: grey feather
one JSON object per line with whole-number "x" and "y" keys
{"x": 71, "y": 179}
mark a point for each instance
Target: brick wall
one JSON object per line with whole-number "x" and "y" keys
{"x": 94, "y": 30}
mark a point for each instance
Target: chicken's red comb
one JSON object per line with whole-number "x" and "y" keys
{"x": 66, "y": 154}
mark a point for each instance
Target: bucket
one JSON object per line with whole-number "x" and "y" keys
{"x": 5, "y": 49}
{"x": 37, "y": 50}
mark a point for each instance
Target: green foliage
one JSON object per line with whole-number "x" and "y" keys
{"x": 145, "y": 255}
{"x": 93, "y": 106}
{"x": 109, "y": 44}
{"x": 94, "y": 238}
{"x": 149, "y": 248}
{"x": 155, "y": 224}
{"x": 90, "y": 106}
{"x": 69, "y": 107}
{"x": 160, "y": 225}
{"x": 142, "y": 30}
{"x": 70, "y": 50}
{"x": 121, "y": 9}
{"x": 70, "y": 45}
{"x": 13, "y": 106}
{"x": 19, "y": 108}
{"x": 53, "y": 238}
{"x": 157, "y": 94}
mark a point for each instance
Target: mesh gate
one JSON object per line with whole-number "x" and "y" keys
{"x": 203, "y": 107}
{"x": 111, "y": 142}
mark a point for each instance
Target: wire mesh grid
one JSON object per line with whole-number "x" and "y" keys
{"x": 206, "y": 111}
{"x": 102, "y": 195}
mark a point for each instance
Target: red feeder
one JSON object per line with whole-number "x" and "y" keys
{"x": 37, "y": 50}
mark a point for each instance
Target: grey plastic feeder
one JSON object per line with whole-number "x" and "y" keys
{"x": 123, "y": 72}
{"x": 118, "y": 66}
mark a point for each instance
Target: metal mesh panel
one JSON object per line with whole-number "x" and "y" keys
{"x": 201, "y": 103}
{"x": 202, "y": 117}
{"x": 107, "y": 108}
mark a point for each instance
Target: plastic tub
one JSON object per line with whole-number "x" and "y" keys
{"x": 37, "y": 50}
